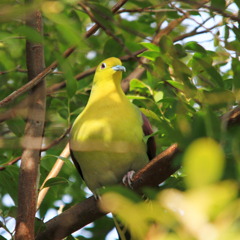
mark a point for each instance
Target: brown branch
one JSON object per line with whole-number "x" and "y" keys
{"x": 29, "y": 170}
{"x": 35, "y": 80}
{"x": 152, "y": 10}
{"x": 214, "y": 9}
{"x": 16, "y": 69}
{"x": 194, "y": 32}
{"x": 95, "y": 27}
{"x": 53, "y": 143}
{"x": 76, "y": 217}
{"x": 87, "y": 9}
{"x": 10, "y": 163}
{"x": 62, "y": 84}
{"x": 232, "y": 118}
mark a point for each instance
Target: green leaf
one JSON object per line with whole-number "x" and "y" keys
{"x": 112, "y": 48}
{"x": 150, "y": 114}
{"x": 9, "y": 181}
{"x": 158, "y": 96}
{"x": 102, "y": 14}
{"x": 180, "y": 51}
{"x": 55, "y": 181}
{"x": 39, "y": 225}
{"x": 233, "y": 45}
{"x": 150, "y": 46}
{"x": 53, "y": 157}
{"x": 175, "y": 84}
{"x": 221, "y": 4}
{"x": 63, "y": 113}
{"x": 151, "y": 55}
{"x": 136, "y": 97}
{"x": 145, "y": 138}
{"x": 203, "y": 61}
{"x": 166, "y": 45}
{"x": 71, "y": 82}
{"x": 193, "y": 46}
{"x": 30, "y": 34}
{"x": 206, "y": 156}
{"x": 17, "y": 126}
{"x": 70, "y": 237}
{"x": 2, "y": 238}
{"x": 136, "y": 84}
{"x": 236, "y": 72}
{"x": 123, "y": 191}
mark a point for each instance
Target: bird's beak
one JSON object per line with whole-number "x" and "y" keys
{"x": 119, "y": 68}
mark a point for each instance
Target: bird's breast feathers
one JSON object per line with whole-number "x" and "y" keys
{"x": 111, "y": 129}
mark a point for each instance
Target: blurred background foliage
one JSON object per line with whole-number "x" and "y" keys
{"x": 190, "y": 52}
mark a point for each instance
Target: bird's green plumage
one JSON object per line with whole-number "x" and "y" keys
{"x": 107, "y": 137}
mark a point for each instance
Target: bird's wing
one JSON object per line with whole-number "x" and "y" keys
{"x": 151, "y": 144}
{"x": 76, "y": 164}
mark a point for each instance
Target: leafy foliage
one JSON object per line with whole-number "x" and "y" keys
{"x": 190, "y": 54}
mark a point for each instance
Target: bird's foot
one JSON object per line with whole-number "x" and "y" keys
{"x": 128, "y": 178}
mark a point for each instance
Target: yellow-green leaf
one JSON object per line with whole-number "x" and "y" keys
{"x": 203, "y": 162}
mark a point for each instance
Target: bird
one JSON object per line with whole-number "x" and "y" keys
{"x": 107, "y": 138}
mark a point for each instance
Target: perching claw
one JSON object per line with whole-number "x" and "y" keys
{"x": 128, "y": 178}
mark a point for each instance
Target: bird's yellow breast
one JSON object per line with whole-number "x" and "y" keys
{"x": 113, "y": 125}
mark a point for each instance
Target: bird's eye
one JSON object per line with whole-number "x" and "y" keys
{"x": 103, "y": 65}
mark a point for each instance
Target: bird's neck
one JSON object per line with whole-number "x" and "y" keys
{"x": 110, "y": 90}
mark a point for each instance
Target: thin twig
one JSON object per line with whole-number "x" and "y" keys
{"x": 95, "y": 27}
{"x": 106, "y": 30}
{"x": 214, "y": 9}
{"x": 139, "y": 10}
{"x": 53, "y": 143}
{"x": 53, "y": 173}
{"x": 34, "y": 81}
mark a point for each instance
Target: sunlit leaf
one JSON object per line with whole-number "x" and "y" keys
{"x": 194, "y": 46}
{"x": 150, "y": 46}
{"x": 177, "y": 85}
{"x": 151, "y": 55}
{"x": 149, "y": 113}
{"x": 203, "y": 162}
{"x": 55, "y": 181}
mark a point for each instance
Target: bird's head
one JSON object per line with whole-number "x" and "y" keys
{"x": 110, "y": 68}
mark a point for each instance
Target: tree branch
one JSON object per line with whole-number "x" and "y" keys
{"x": 95, "y": 27}
{"x": 214, "y": 9}
{"x": 35, "y": 80}
{"x": 29, "y": 170}
{"x": 53, "y": 173}
{"x": 87, "y": 9}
